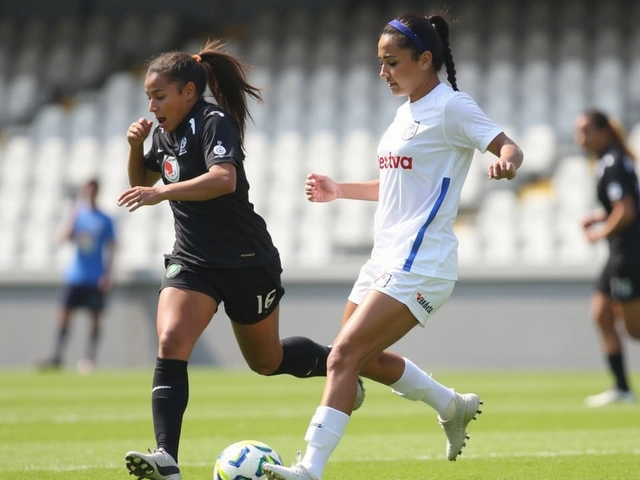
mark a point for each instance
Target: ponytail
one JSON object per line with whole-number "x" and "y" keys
{"x": 227, "y": 80}
{"x": 225, "y": 76}
{"x": 442, "y": 27}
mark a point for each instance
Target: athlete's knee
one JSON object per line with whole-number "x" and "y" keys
{"x": 344, "y": 356}
{"x": 171, "y": 345}
{"x": 604, "y": 321}
{"x": 262, "y": 366}
{"x": 633, "y": 329}
{"x": 374, "y": 365}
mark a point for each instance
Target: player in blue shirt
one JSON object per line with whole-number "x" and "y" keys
{"x": 88, "y": 276}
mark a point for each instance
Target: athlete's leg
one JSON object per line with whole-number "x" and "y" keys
{"x": 182, "y": 317}
{"x": 604, "y": 312}
{"x": 385, "y": 368}
{"x": 631, "y": 316}
{"x": 266, "y": 354}
{"x": 377, "y": 323}
{"x": 86, "y": 365}
{"x": 62, "y": 334}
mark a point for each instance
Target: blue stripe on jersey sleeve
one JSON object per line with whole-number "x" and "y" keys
{"x": 434, "y": 211}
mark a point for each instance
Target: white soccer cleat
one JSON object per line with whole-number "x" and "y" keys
{"x": 156, "y": 465}
{"x": 608, "y": 397}
{"x": 294, "y": 472}
{"x": 360, "y": 393}
{"x": 455, "y": 428}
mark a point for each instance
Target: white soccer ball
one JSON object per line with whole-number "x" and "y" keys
{"x": 243, "y": 461}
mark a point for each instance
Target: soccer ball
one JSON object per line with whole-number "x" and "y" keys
{"x": 243, "y": 461}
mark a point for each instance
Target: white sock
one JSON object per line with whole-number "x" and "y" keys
{"x": 414, "y": 384}
{"x": 323, "y": 435}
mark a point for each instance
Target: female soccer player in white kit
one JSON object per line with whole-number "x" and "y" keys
{"x": 423, "y": 158}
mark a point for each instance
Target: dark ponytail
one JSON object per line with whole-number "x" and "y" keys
{"x": 225, "y": 76}
{"x": 433, "y": 36}
{"x": 442, "y": 27}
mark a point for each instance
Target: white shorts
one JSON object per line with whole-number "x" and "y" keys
{"x": 422, "y": 295}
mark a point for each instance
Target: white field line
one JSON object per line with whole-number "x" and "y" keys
{"x": 479, "y": 456}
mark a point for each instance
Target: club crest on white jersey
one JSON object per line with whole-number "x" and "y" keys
{"x": 411, "y": 131}
{"x": 171, "y": 169}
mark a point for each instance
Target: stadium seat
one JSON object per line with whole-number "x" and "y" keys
{"x": 59, "y": 68}
{"x": 358, "y": 160}
{"x": 257, "y": 167}
{"x": 539, "y": 141}
{"x": 23, "y": 97}
{"x": 469, "y": 247}
{"x": 315, "y": 238}
{"x": 9, "y": 247}
{"x": 83, "y": 160}
{"x": 37, "y": 241}
{"x": 473, "y": 187}
{"x": 50, "y": 121}
{"x": 321, "y": 154}
{"x": 570, "y": 91}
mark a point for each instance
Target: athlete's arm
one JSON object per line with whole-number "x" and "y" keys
{"x": 509, "y": 157}
{"x": 219, "y": 180}
{"x": 139, "y": 174}
{"x": 104, "y": 282}
{"x": 320, "y": 188}
{"x": 69, "y": 227}
{"x": 623, "y": 213}
{"x": 596, "y": 217}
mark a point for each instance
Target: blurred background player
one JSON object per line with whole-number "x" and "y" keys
{"x": 222, "y": 253}
{"x": 617, "y": 291}
{"x": 88, "y": 276}
{"x": 423, "y": 160}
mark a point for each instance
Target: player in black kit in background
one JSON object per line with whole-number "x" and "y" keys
{"x": 617, "y": 292}
{"x": 223, "y": 252}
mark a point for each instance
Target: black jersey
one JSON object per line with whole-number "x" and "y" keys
{"x": 224, "y": 231}
{"x": 616, "y": 179}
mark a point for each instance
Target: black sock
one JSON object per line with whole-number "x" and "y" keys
{"x": 169, "y": 399}
{"x": 94, "y": 337}
{"x": 61, "y": 341}
{"x": 616, "y": 365}
{"x": 303, "y": 358}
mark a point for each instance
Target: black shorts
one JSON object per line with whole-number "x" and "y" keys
{"x": 249, "y": 294}
{"x": 620, "y": 279}
{"x": 81, "y": 296}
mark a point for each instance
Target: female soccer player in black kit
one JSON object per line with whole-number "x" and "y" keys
{"x": 617, "y": 293}
{"x": 223, "y": 252}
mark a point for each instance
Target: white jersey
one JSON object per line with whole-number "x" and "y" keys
{"x": 424, "y": 157}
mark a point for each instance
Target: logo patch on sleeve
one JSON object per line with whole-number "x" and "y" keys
{"x": 219, "y": 150}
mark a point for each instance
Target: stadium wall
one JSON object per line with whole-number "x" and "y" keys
{"x": 489, "y": 323}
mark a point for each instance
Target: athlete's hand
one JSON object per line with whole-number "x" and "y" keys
{"x": 136, "y": 197}
{"x": 502, "y": 169}
{"x": 320, "y": 188}
{"x": 104, "y": 283}
{"x": 138, "y": 132}
{"x": 588, "y": 221}
{"x": 592, "y": 235}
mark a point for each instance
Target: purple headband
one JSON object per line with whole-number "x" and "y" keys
{"x": 407, "y": 32}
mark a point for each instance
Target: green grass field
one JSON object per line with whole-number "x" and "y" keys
{"x": 533, "y": 426}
